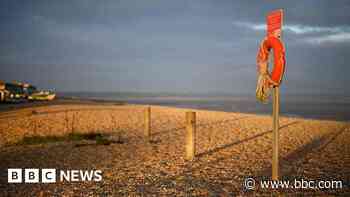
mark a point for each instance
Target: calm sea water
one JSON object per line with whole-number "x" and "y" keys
{"x": 315, "y": 107}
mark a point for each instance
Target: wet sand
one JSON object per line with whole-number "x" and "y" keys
{"x": 229, "y": 147}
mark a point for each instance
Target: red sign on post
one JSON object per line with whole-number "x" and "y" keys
{"x": 274, "y": 22}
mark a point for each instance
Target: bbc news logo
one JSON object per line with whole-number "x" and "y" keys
{"x": 50, "y": 175}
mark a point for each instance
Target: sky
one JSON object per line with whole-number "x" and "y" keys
{"x": 194, "y": 46}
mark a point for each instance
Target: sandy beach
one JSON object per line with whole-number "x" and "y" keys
{"x": 229, "y": 148}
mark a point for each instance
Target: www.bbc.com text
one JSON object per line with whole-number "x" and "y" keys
{"x": 252, "y": 184}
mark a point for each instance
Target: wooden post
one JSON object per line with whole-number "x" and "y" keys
{"x": 35, "y": 125}
{"x": 147, "y": 131}
{"x": 73, "y": 122}
{"x": 275, "y": 143}
{"x": 190, "y": 135}
{"x": 66, "y": 118}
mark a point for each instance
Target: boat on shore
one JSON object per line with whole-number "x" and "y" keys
{"x": 42, "y": 96}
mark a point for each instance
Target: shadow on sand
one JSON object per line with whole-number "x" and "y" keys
{"x": 241, "y": 141}
{"x": 316, "y": 145}
{"x": 198, "y": 125}
{"x": 189, "y": 181}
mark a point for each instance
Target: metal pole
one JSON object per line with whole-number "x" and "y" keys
{"x": 275, "y": 143}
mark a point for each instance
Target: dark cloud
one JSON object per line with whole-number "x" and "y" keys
{"x": 157, "y": 45}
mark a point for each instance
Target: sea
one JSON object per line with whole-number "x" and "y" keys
{"x": 330, "y": 107}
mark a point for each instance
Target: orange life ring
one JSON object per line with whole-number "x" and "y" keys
{"x": 276, "y": 44}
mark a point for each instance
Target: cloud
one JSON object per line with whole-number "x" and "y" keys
{"x": 253, "y": 26}
{"x": 301, "y": 29}
{"x": 324, "y": 34}
{"x": 334, "y": 38}
{"x": 297, "y": 29}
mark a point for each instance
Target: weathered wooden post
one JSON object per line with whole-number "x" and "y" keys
{"x": 147, "y": 131}
{"x": 73, "y": 122}
{"x": 275, "y": 143}
{"x": 35, "y": 125}
{"x": 66, "y": 119}
{"x": 190, "y": 135}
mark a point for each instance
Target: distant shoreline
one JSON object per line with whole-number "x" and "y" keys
{"x": 295, "y": 109}
{"x": 58, "y": 101}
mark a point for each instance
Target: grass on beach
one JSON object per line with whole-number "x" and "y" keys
{"x": 94, "y": 136}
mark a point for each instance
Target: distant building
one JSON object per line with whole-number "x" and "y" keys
{"x": 2, "y": 85}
